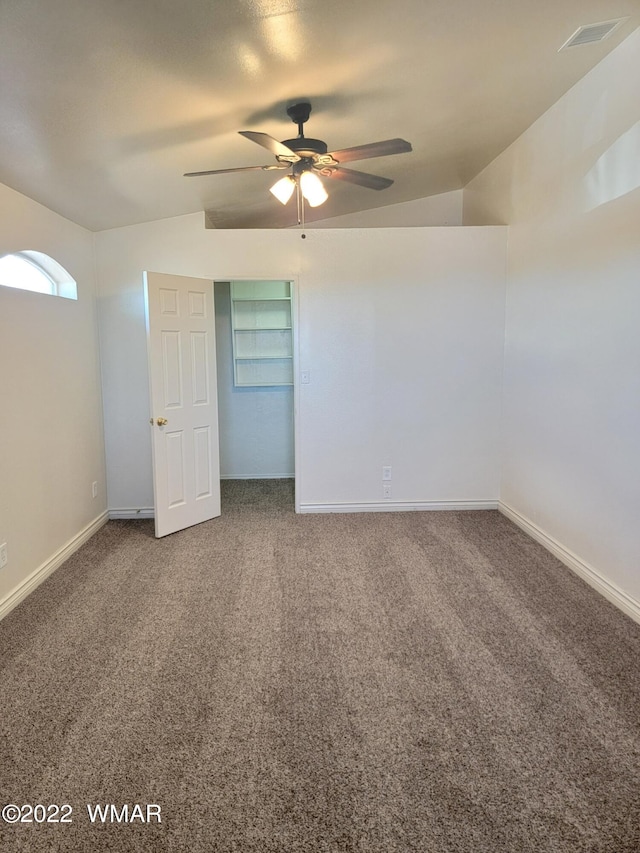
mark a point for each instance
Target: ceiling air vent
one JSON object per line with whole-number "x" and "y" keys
{"x": 592, "y": 33}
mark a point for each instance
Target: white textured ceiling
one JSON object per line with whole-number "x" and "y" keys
{"x": 105, "y": 103}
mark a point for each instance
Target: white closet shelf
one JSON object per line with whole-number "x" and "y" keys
{"x": 261, "y": 323}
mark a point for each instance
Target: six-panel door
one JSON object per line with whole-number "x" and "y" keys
{"x": 184, "y": 408}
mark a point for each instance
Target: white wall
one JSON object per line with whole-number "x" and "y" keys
{"x": 570, "y": 190}
{"x": 402, "y": 330}
{"x": 255, "y": 424}
{"x": 51, "y": 438}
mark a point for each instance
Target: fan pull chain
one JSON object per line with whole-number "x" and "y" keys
{"x": 300, "y": 204}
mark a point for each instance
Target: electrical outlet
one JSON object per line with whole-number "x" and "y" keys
{"x": 4, "y": 559}
{"x": 94, "y": 489}
{"x": 386, "y": 492}
{"x": 386, "y": 472}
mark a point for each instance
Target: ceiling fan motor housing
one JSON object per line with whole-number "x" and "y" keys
{"x": 305, "y": 146}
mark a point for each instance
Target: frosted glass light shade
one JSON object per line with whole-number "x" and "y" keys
{"x": 312, "y": 189}
{"x": 283, "y": 189}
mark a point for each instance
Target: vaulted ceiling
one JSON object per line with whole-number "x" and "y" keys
{"x": 104, "y": 104}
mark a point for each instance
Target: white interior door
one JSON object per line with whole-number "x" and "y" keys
{"x": 184, "y": 405}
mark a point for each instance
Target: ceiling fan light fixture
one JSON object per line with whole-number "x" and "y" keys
{"x": 312, "y": 189}
{"x": 283, "y": 189}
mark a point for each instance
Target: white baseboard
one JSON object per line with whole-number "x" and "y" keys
{"x": 399, "y": 506}
{"x": 131, "y": 513}
{"x": 588, "y": 573}
{"x": 257, "y": 476}
{"x": 49, "y": 566}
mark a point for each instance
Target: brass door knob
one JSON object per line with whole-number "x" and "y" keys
{"x": 162, "y": 421}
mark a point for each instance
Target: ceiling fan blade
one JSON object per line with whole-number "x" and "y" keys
{"x": 372, "y": 182}
{"x": 238, "y": 169}
{"x": 270, "y": 144}
{"x": 372, "y": 149}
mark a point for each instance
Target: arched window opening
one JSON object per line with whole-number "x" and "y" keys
{"x": 37, "y": 272}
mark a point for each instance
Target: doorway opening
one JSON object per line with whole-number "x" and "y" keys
{"x": 255, "y": 375}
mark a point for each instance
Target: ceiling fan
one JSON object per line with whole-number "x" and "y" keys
{"x": 307, "y": 158}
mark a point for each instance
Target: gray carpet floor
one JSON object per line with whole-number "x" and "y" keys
{"x": 431, "y": 682}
